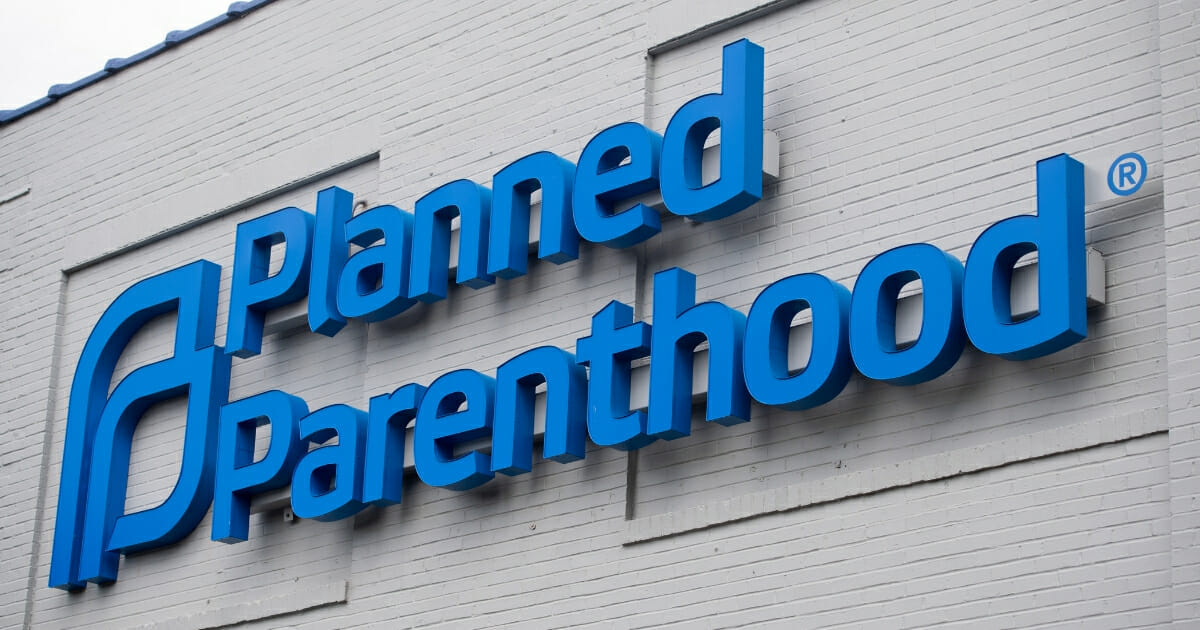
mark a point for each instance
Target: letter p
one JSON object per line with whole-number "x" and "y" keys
{"x": 238, "y": 476}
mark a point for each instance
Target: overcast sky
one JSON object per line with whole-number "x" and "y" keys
{"x": 44, "y": 42}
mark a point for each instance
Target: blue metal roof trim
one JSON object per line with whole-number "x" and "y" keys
{"x": 175, "y": 37}
{"x": 13, "y": 114}
{"x": 117, "y": 64}
{"x": 238, "y": 9}
{"x": 113, "y": 65}
{"x": 136, "y": 57}
{"x": 57, "y": 91}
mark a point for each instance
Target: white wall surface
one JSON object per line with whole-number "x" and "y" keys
{"x": 1059, "y": 492}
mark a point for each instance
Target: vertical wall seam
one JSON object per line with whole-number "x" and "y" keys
{"x": 39, "y": 517}
{"x": 639, "y": 290}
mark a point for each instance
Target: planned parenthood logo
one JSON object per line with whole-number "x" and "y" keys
{"x": 92, "y": 530}
{"x": 402, "y": 258}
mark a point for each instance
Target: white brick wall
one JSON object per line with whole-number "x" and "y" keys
{"x": 1179, "y": 54}
{"x": 898, "y": 122}
{"x": 850, "y": 119}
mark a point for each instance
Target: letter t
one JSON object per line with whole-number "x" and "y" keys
{"x": 615, "y": 341}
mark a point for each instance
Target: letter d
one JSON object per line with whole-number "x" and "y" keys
{"x": 1056, "y": 233}
{"x": 738, "y": 112}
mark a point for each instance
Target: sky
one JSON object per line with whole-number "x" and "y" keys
{"x": 44, "y": 42}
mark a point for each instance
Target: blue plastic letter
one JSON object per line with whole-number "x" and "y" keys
{"x": 90, "y": 528}
{"x": 602, "y": 180}
{"x": 330, "y": 248}
{"x": 327, "y": 481}
{"x": 470, "y": 202}
{"x": 615, "y": 341}
{"x": 383, "y": 471}
{"x": 558, "y": 242}
{"x": 873, "y": 315}
{"x": 738, "y": 112}
{"x": 1056, "y": 233}
{"x": 441, "y": 426}
{"x": 253, "y": 292}
{"x": 566, "y": 409}
{"x": 373, "y": 284}
{"x": 204, "y": 376}
{"x": 766, "y": 353}
{"x": 679, "y": 326}
{"x": 238, "y": 476}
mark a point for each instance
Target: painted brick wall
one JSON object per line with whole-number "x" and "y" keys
{"x": 1179, "y": 32}
{"x": 931, "y": 136}
{"x": 898, "y": 122}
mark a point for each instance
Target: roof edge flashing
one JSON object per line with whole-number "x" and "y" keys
{"x": 117, "y": 64}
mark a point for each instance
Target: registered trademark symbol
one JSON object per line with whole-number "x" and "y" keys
{"x": 1127, "y": 174}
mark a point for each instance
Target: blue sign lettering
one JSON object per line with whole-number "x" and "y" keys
{"x": 405, "y": 258}
{"x": 238, "y": 476}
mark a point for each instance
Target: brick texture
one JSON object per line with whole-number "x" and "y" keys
{"x": 898, "y": 122}
{"x": 1179, "y": 55}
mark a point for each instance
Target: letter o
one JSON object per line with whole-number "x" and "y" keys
{"x": 873, "y": 315}
{"x": 765, "y": 353}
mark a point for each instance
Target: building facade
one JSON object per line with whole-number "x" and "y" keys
{"x": 1061, "y": 490}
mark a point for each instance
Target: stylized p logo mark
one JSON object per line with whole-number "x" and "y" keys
{"x": 92, "y": 529}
